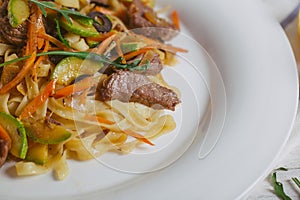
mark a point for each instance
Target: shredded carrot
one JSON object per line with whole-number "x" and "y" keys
{"x": 32, "y": 30}
{"x": 33, "y": 105}
{"x": 151, "y": 43}
{"x": 104, "y": 121}
{"x": 102, "y": 36}
{"x": 54, "y": 41}
{"x": 138, "y": 136}
{"x": 105, "y": 11}
{"x": 40, "y": 29}
{"x": 119, "y": 50}
{"x": 76, "y": 87}
{"x": 167, "y": 47}
{"x": 175, "y": 19}
{"x": 27, "y": 49}
{"x": 5, "y": 136}
{"x": 133, "y": 54}
{"x": 101, "y": 48}
{"x": 54, "y": 48}
{"x": 100, "y": 119}
{"x": 40, "y": 59}
{"x": 19, "y": 77}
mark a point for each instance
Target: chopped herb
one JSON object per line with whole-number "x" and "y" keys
{"x": 60, "y": 35}
{"x": 281, "y": 169}
{"x": 86, "y": 55}
{"x": 64, "y": 12}
{"x": 296, "y": 181}
{"x": 134, "y": 66}
{"x": 278, "y": 188}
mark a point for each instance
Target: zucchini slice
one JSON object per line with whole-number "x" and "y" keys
{"x": 45, "y": 133}
{"x": 17, "y": 133}
{"x": 37, "y": 153}
{"x": 18, "y": 12}
{"x": 78, "y": 27}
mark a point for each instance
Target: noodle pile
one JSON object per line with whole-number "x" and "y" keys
{"x": 96, "y": 127}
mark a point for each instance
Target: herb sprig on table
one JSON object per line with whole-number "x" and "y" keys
{"x": 278, "y": 186}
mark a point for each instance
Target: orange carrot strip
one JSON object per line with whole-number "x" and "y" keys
{"x": 40, "y": 29}
{"x": 105, "y": 11}
{"x": 102, "y": 37}
{"x": 167, "y": 47}
{"x": 133, "y": 54}
{"x": 104, "y": 121}
{"x": 40, "y": 59}
{"x": 19, "y": 77}
{"x": 5, "y": 136}
{"x": 119, "y": 50}
{"x": 54, "y": 41}
{"x": 175, "y": 19}
{"x": 151, "y": 43}
{"x": 101, "y": 48}
{"x": 32, "y": 30}
{"x": 33, "y": 105}
{"x": 27, "y": 49}
{"x": 76, "y": 87}
{"x": 100, "y": 119}
{"x": 137, "y": 136}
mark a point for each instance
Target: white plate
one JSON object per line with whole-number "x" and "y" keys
{"x": 260, "y": 78}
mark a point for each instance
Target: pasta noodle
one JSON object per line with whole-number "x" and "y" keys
{"x": 89, "y": 127}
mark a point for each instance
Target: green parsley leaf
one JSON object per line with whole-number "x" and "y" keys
{"x": 133, "y": 66}
{"x": 278, "y": 188}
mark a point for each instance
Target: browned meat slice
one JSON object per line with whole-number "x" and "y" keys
{"x": 16, "y": 36}
{"x": 155, "y": 66}
{"x": 4, "y": 145}
{"x": 156, "y": 96}
{"x": 3, "y": 8}
{"x": 127, "y": 86}
{"x": 142, "y": 16}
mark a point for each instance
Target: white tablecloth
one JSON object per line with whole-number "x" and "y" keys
{"x": 290, "y": 157}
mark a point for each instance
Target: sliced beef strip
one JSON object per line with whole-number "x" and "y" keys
{"x": 155, "y": 66}
{"x": 3, "y": 8}
{"x": 162, "y": 30}
{"x": 3, "y": 151}
{"x": 15, "y": 36}
{"x": 127, "y": 86}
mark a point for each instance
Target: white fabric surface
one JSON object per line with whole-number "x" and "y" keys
{"x": 290, "y": 156}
